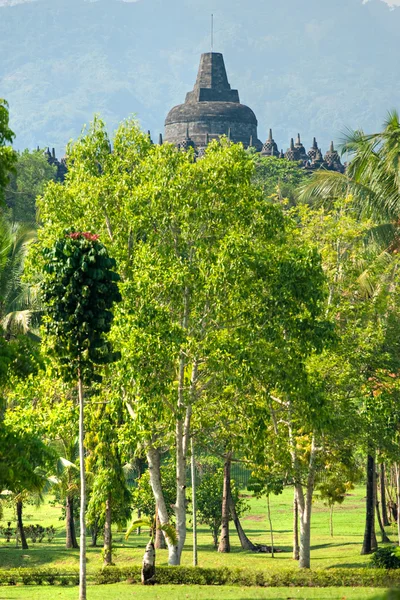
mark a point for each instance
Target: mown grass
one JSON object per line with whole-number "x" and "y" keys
{"x": 343, "y": 550}
{"x": 182, "y": 592}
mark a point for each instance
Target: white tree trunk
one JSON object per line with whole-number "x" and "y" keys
{"x": 153, "y": 459}
{"x": 180, "y": 504}
{"x": 82, "y": 550}
{"x": 194, "y": 513}
{"x": 305, "y": 506}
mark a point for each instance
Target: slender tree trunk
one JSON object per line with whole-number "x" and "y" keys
{"x": 296, "y": 547}
{"x": 382, "y": 478}
{"x": 194, "y": 504}
{"x": 368, "y": 543}
{"x": 22, "y": 535}
{"x": 270, "y": 527}
{"x": 384, "y": 537}
{"x": 224, "y": 544}
{"x": 153, "y": 459}
{"x": 107, "y": 548}
{"x": 397, "y": 470}
{"x": 245, "y": 543}
{"x": 374, "y": 540}
{"x": 70, "y": 523}
{"x": 82, "y": 552}
{"x": 94, "y": 532}
{"x": 215, "y": 532}
{"x": 180, "y": 504}
{"x": 331, "y": 520}
{"x": 159, "y": 541}
{"x": 305, "y": 506}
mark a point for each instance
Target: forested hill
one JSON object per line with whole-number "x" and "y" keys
{"x": 313, "y": 66}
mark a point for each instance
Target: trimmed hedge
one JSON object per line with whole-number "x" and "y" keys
{"x": 363, "y": 577}
{"x": 34, "y": 576}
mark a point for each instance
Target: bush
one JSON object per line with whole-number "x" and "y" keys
{"x": 362, "y": 577}
{"x": 387, "y": 557}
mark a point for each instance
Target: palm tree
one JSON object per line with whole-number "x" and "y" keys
{"x": 372, "y": 177}
{"x": 18, "y": 301}
{"x": 67, "y": 480}
{"x": 372, "y": 181}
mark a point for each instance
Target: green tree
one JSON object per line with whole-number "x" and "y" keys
{"x": 8, "y": 156}
{"x": 279, "y": 177}
{"x": 79, "y": 289}
{"x": 208, "y": 498}
{"x": 32, "y": 173}
{"x": 110, "y": 498}
{"x": 24, "y": 459}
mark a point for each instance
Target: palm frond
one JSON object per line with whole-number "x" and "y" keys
{"x": 142, "y": 522}
{"x": 170, "y": 532}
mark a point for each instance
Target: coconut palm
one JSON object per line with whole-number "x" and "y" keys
{"x": 372, "y": 181}
{"x": 372, "y": 176}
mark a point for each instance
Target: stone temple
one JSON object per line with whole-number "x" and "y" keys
{"x": 213, "y": 109}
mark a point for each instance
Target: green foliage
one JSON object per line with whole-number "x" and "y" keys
{"x": 279, "y": 177}
{"x": 8, "y": 157}
{"x": 168, "y": 528}
{"x": 32, "y": 173}
{"x": 387, "y": 557}
{"x": 142, "y": 494}
{"x": 104, "y": 462}
{"x": 79, "y": 288}
{"x": 209, "y": 497}
{"x": 22, "y": 456}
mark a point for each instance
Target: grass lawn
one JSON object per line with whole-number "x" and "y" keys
{"x": 171, "y": 592}
{"x": 342, "y": 550}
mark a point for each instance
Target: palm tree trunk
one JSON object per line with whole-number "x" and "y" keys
{"x": 21, "y": 526}
{"x": 368, "y": 543}
{"x": 224, "y": 544}
{"x": 70, "y": 523}
{"x": 82, "y": 553}
{"x": 107, "y": 548}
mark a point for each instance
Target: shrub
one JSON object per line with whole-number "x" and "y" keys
{"x": 387, "y": 557}
{"x": 362, "y": 577}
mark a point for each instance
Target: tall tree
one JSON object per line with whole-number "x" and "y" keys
{"x": 79, "y": 289}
